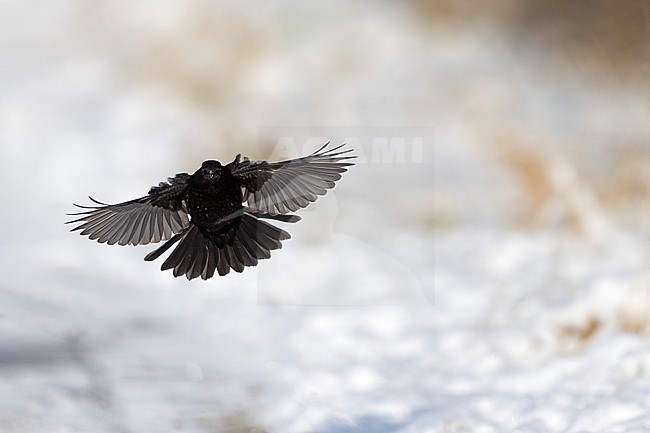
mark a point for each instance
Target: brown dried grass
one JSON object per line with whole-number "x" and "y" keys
{"x": 234, "y": 422}
{"x": 551, "y": 189}
{"x": 605, "y": 38}
{"x": 204, "y": 55}
{"x": 574, "y": 337}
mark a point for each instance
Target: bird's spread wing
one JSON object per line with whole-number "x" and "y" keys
{"x": 286, "y": 186}
{"x": 152, "y": 218}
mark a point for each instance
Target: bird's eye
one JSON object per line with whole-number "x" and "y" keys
{"x": 209, "y": 173}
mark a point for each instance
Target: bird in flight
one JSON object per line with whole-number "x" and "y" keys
{"x": 215, "y": 216}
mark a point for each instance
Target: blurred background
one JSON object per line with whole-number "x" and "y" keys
{"x": 485, "y": 267}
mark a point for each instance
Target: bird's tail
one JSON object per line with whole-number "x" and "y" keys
{"x": 243, "y": 242}
{"x": 283, "y": 218}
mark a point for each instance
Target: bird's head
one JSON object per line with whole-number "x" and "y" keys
{"x": 210, "y": 171}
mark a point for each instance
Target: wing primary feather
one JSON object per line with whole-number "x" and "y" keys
{"x": 145, "y": 232}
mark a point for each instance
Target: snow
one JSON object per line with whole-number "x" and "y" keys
{"x": 408, "y": 300}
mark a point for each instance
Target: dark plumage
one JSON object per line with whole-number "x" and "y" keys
{"x": 215, "y": 215}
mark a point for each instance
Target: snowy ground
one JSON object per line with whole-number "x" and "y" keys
{"x": 411, "y": 299}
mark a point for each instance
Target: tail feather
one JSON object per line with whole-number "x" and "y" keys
{"x": 282, "y": 218}
{"x": 242, "y": 254}
{"x": 253, "y": 243}
{"x": 223, "y": 267}
{"x": 211, "y": 263}
{"x": 199, "y": 253}
{"x": 159, "y": 251}
{"x": 198, "y": 262}
{"x": 184, "y": 255}
{"x": 233, "y": 260}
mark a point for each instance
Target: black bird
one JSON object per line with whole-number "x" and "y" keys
{"x": 214, "y": 214}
